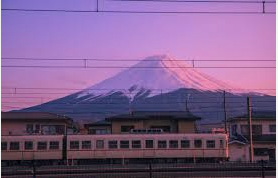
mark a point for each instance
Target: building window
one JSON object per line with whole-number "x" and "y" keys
{"x": 86, "y": 144}
{"x": 42, "y": 146}
{"x": 74, "y": 145}
{"x": 4, "y": 146}
{"x": 14, "y": 145}
{"x": 113, "y": 144}
{"x": 185, "y": 143}
{"x": 136, "y": 144}
{"x": 124, "y": 144}
{"x": 261, "y": 151}
{"x": 256, "y": 129}
{"x": 126, "y": 128}
{"x": 37, "y": 128}
{"x": 53, "y": 145}
{"x": 100, "y": 144}
{"x": 173, "y": 144}
{"x": 164, "y": 128}
{"x": 198, "y": 143}
{"x": 272, "y": 128}
{"x": 29, "y": 128}
{"x": 210, "y": 144}
{"x": 101, "y": 131}
{"x": 234, "y": 129}
{"x": 221, "y": 143}
{"x": 162, "y": 144}
{"x": 28, "y": 145}
{"x": 149, "y": 143}
{"x": 244, "y": 129}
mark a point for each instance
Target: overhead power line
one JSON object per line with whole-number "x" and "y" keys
{"x": 136, "y": 11}
{"x": 137, "y": 67}
{"x": 104, "y": 89}
{"x": 199, "y": 1}
{"x": 122, "y": 60}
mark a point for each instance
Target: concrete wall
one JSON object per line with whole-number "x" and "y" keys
{"x": 265, "y": 125}
{"x": 186, "y": 127}
{"x": 171, "y": 123}
{"x": 116, "y": 125}
{"x": 106, "y": 128}
{"x": 175, "y": 126}
{"x": 238, "y": 152}
{"x": 19, "y": 127}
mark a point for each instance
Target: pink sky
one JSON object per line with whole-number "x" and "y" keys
{"x": 130, "y": 36}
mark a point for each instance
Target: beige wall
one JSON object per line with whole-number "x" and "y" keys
{"x": 172, "y": 124}
{"x": 186, "y": 127}
{"x": 116, "y": 125}
{"x": 238, "y": 152}
{"x": 19, "y": 127}
{"x": 91, "y": 128}
{"x": 265, "y": 124}
{"x": 176, "y": 126}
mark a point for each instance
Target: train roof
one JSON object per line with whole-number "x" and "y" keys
{"x": 145, "y": 115}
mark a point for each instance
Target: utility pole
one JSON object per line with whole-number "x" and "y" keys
{"x": 225, "y": 112}
{"x": 249, "y": 113}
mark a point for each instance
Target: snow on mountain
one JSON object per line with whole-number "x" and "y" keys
{"x": 153, "y": 75}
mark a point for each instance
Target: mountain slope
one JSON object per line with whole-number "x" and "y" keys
{"x": 157, "y": 73}
{"x": 157, "y": 83}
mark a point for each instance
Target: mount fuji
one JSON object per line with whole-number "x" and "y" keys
{"x": 157, "y": 83}
{"x": 156, "y": 73}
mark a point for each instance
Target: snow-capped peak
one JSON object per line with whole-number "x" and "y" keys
{"x": 155, "y": 74}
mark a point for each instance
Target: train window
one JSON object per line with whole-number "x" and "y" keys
{"x": 113, "y": 144}
{"x": 28, "y": 145}
{"x": 197, "y": 143}
{"x": 4, "y": 146}
{"x": 86, "y": 144}
{"x": 221, "y": 143}
{"x": 14, "y": 145}
{"x": 53, "y": 145}
{"x": 100, "y": 144}
{"x": 210, "y": 144}
{"x": 185, "y": 143}
{"x": 162, "y": 144}
{"x": 42, "y": 146}
{"x": 149, "y": 143}
{"x": 173, "y": 144}
{"x": 124, "y": 144}
{"x": 136, "y": 144}
{"x": 74, "y": 144}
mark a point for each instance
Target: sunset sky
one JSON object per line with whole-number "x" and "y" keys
{"x": 131, "y": 36}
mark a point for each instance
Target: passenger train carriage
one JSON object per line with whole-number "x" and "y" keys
{"x": 115, "y": 148}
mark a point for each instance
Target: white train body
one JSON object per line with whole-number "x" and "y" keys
{"x": 219, "y": 150}
{"x": 124, "y": 146}
{"x": 31, "y": 154}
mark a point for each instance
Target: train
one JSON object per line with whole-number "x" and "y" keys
{"x": 114, "y": 148}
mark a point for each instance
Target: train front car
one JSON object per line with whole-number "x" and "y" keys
{"x": 147, "y": 147}
{"x": 44, "y": 149}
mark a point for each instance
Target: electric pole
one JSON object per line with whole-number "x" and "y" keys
{"x": 225, "y": 112}
{"x": 249, "y": 114}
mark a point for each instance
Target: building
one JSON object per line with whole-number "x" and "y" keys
{"x": 26, "y": 123}
{"x": 263, "y": 132}
{"x": 168, "y": 121}
{"x": 99, "y": 127}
